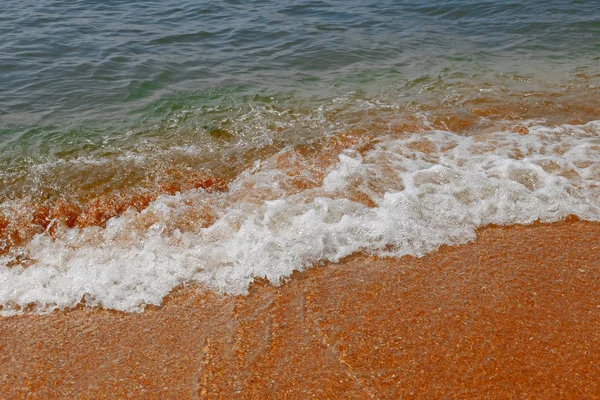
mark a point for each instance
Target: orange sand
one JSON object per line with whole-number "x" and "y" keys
{"x": 514, "y": 315}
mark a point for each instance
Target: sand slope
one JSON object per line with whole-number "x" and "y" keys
{"x": 515, "y": 314}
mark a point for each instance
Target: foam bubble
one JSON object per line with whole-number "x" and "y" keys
{"x": 408, "y": 194}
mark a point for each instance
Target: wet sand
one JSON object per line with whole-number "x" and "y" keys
{"x": 515, "y": 314}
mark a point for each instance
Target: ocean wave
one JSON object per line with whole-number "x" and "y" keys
{"x": 387, "y": 195}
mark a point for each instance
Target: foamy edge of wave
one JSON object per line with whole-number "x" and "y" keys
{"x": 423, "y": 191}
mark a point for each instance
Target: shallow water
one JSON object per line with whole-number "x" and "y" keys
{"x": 147, "y": 144}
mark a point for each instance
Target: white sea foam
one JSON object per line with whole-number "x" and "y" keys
{"x": 407, "y": 195}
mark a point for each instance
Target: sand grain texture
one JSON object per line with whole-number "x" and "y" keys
{"x": 515, "y": 314}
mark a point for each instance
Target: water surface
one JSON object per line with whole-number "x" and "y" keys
{"x": 147, "y": 144}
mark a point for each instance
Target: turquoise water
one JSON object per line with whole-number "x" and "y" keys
{"x": 74, "y": 73}
{"x": 148, "y": 144}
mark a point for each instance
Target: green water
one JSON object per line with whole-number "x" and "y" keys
{"x": 120, "y": 81}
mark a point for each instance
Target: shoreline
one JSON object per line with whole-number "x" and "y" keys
{"x": 514, "y": 314}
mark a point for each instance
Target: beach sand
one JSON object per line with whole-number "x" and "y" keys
{"x": 516, "y": 314}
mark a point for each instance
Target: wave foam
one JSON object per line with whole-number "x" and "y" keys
{"x": 406, "y": 196}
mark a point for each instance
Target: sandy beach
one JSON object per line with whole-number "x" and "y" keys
{"x": 515, "y": 314}
{"x": 292, "y": 200}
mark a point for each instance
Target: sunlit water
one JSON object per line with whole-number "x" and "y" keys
{"x": 148, "y": 144}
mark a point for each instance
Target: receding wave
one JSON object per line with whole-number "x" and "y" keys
{"x": 400, "y": 193}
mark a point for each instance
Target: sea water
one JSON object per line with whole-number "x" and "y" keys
{"x": 145, "y": 145}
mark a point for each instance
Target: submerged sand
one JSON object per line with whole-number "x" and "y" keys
{"x": 514, "y": 314}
